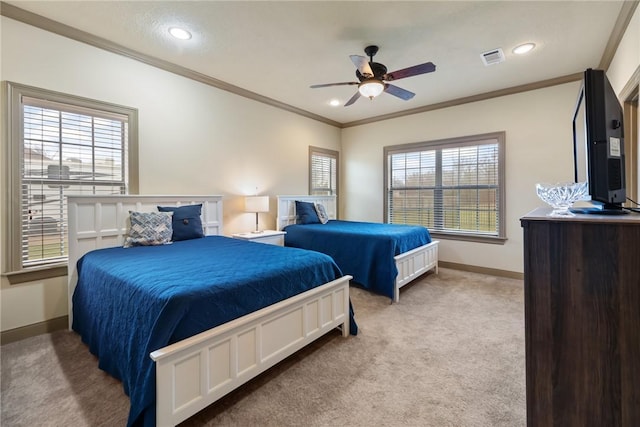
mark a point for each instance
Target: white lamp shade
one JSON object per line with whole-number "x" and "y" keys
{"x": 371, "y": 88}
{"x": 256, "y": 204}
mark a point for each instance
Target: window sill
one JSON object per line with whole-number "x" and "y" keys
{"x": 36, "y": 273}
{"x": 469, "y": 238}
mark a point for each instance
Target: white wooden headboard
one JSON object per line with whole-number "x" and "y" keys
{"x": 97, "y": 222}
{"x": 286, "y": 214}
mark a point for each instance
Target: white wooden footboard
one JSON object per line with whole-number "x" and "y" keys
{"x": 414, "y": 263}
{"x": 196, "y": 372}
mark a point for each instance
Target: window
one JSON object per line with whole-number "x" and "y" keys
{"x": 60, "y": 145}
{"x": 455, "y": 187}
{"x": 323, "y": 171}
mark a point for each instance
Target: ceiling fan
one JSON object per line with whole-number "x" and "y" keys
{"x": 373, "y": 77}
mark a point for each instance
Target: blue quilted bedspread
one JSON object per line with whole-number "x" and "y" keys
{"x": 130, "y": 302}
{"x": 365, "y": 250}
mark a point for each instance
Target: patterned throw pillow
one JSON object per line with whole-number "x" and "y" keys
{"x": 322, "y": 213}
{"x": 149, "y": 229}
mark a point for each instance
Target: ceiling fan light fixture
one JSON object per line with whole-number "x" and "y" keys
{"x": 371, "y": 88}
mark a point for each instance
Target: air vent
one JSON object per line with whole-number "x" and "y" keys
{"x": 494, "y": 56}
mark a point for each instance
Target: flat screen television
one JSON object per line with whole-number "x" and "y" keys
{"x": 598, "y": 144}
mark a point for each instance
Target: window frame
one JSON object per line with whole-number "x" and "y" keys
{"x": 456, "y": 142}
{"x": 332, "y": 154}
{"x": 13, "y": 152}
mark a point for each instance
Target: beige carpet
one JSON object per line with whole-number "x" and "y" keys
{"x": 450, "y": 353}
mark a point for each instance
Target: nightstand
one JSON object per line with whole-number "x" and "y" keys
{"x": 270, "y": 237}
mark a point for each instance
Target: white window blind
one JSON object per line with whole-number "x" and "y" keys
{"x": 323, "y": 172}
{"x": 65, "y": 150}
{"x": 453, "y": 187}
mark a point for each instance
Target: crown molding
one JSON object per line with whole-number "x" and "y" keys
{"x": 64, "y": 30}
{"x": 619, "y": 28}
{"x": 473, "y": 98}
{"x": 18, "y": 14}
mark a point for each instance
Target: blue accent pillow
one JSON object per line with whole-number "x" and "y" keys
{"x": 186, "y": 221}
{"x": 306, "y": 213}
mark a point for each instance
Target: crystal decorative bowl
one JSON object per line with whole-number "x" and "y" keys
{"x": 560, "y": 196}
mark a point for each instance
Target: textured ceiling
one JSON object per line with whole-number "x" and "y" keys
{"x": 278, "y": 49}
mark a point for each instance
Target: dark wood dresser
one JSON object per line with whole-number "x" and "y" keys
{"x": 582, "y": 319}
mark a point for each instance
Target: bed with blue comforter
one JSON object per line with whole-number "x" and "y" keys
{"x": 364, "y": 250}
{"x": 130, "y": 302}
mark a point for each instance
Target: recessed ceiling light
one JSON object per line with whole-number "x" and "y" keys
{"x": 179, "y": 33}
{"x": 334, "y": 102}
{"x": 523, "y": 48}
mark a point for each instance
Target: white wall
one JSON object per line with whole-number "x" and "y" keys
{"x": 627, "y": 58}
{"x": 193, "y": 139}
{"x": 539, "y": 146}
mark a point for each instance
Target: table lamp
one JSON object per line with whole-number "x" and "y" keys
{"x": 256, "y": 204}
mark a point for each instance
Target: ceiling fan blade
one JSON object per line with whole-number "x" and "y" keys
{"x": 333, "y": 84}
{"x": 362, "y": 63}
{"x": 353, "y": 99}
{"x": 427, "y": 67}
{"x": 398, "y": 91}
